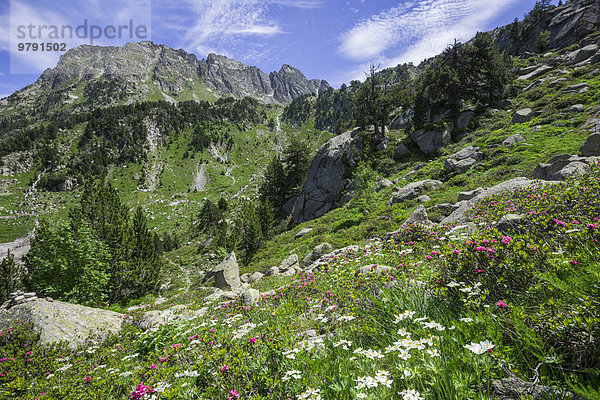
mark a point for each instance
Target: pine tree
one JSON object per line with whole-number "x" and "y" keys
{"x": 297, "y": 160}
{"x": 8, "y": 272}
{"x": 143, "y": 274}
{"x": 249, "y": 226}
{"x": 275, "y": 184}
{"x": 208, "y": 217}
{"x": 222, "y": 204}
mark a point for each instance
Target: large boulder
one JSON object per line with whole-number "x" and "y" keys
{"x": 59, "y": 321}
{"x": 459, "y": 216}
{"x": 412, "y": 190}
{"x": 591, "y": 146}
{"x": 326, "y": 181}
{"x": 430, "y": 141}
{"x": 464, "y": 119}
{"x": 463, "y": 159}
{"x": 227, "y": 273}
{"x": 179, "y": 312}
{"x": 538, "y": 71}
{"x": 577, "y": 56}
{"x": 523, "y": 115}
{"x": 560, "y": 167}
{"x": 290, "y": 262}
{"x": 513, "y": 140}
{"x": 419, "y": 216}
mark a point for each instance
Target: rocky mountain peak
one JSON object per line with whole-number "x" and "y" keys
{"x": 136, "y": 71}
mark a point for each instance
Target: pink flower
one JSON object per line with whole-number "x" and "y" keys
{"x": 153, "y": 366}
{"x": 506, "y": 239}
{"x": 87, "y": 378}
{"x": 234, "y": 394}
{"x": 501, "y": 303}
{"x": 163, "y": 359}
{"x": 224, "y": 368}
{"x": 212, "y": 330}
{"x": 252, "y": 340}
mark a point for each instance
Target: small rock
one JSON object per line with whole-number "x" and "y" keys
{"x": 49, "y": 299}
{"x": 250, "y": 296}
{"x": 556, "y": 82}
{"x": 412, "y": 190}
{"x": 245, "y": 278}
{"x": 523, "y": 115}
{"x": 289, "y": 262}
{"x": 372, "y": 269}
{"x": 30, "y": 294}
{"x": 272, "y": 271}
{"x": 509, "y": 222}
{"x": 317, "y": 252}
{"x": 382, "y": 184}
{"x": 303, "y": 232}
{"x": 419, "y": 216}
{"x": 423, "y": 198}
{"x": 257, "y": 276}
{"x": 576, "y": 108}
{"x": 464, "y": 119}
{"x": 576, "y": 88}
{"x": 512, "y": 140}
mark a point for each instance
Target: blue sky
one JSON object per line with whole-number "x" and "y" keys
{"x": 328, "y": 39}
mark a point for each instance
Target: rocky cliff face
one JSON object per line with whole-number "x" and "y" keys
{"x": 568, "y": 24}
{"x": 145, "y": 71}
{"x": 231, "y": 77}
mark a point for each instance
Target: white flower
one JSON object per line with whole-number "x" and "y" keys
{"x": 404, "y": 354}
{"x": 190, "y": 374}
{"x": 64, "y": 367}
{"x": 361, "y": 395}
{"x": 481, "y": 347}
{"x": 291, "y": 374}
{"x": 453, "y": 284}
{"x": 291, "y": 354}
{"x": 433, "y": 353}
{"x": 406, "y": 314}
{"x": 343, "y": 343}
{"x": 466, "y": 320}
{"x": 433, "y": 325}
{"x": 403, "y": 332}
{"x": 160, "y": 387}
{"x": 411, "y": 394}
{"x": 346, "y": 318}
{"x": 126, "y": 373}
{"x": 310, "y": 393}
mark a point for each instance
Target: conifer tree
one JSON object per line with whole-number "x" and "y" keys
{"x": 143, "y": 274}
{"x": 8, "y": 272}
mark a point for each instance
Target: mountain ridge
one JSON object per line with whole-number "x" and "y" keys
{"x": 139, "y": 71}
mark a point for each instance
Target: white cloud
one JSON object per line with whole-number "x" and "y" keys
{"x": 220, "y": 25}
{"x": 417, "y": 29}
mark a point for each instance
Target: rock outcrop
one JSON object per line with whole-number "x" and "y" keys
{"x": 463, "y": 160}
{"x": 430, "y": 141}
{"x": 326, "y": 179}
{"x": 412, "y": 190}
{"x": 227, "y": 273}
{"x": 568, "y": 24}
{"x": 591, "y": 146}
{"x": 459, "y": 216}
{"x": 560, "y": 167}
{"x": 59, "y": 321}
{"x": 523, "y": 115}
